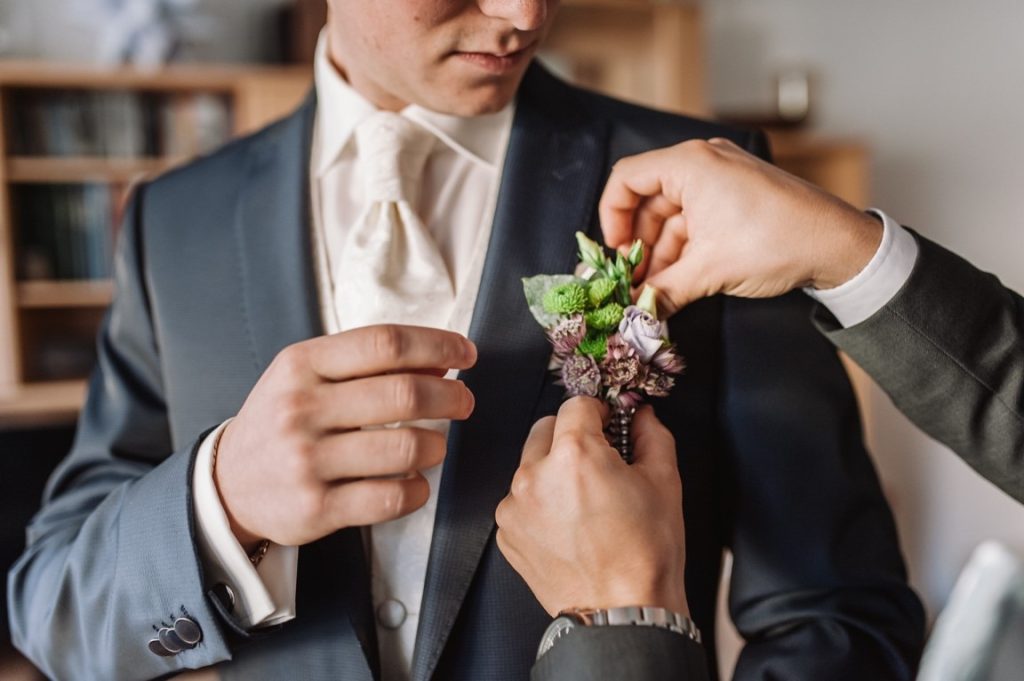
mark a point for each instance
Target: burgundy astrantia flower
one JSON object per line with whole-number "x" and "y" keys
{"x": 581, "y": 376}
{"x": 566, "y": 335}
{"x": 621, "y": 366}
{"x": 667, "y": 361}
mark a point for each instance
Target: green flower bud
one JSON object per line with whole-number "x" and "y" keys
{"x": 594, "y": 345}
{"x": 605, "y": 318}
{"x": 599, "y": 290}
{"x": 636, "y": 253}
{"x": 591, "y": 252}
{"x": 565, "y": 299}
{"x": 648, "y": 301}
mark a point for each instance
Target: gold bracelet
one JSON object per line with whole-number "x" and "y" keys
{"x": 257, "y": 555}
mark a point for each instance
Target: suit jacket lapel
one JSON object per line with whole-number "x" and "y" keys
{"x": 552, "y": 175}
{"x": 280, "y": 300}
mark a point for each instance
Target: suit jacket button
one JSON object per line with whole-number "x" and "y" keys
{"x": 170, "y": 640}
{"x": 157, "y": 648}
{"x": 188, "y": 631}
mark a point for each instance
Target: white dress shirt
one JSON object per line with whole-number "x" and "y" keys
{"x": 885, "y": 274}
{"x": 457, "y": 201}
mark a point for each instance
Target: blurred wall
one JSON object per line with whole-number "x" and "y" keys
{"x": 936, "y": 88}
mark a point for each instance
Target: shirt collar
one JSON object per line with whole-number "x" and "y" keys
{"x": 340, "y": 109}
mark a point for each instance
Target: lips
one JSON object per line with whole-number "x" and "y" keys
{"x": 496, "y": 62}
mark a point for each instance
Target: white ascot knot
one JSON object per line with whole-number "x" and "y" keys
{"x": 390, "y": 269}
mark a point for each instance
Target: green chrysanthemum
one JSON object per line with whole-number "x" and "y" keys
{"x": 599, "y": 290}
{"x": 566, "y": 299}
{"x": 605, "y": 318}
{"x": 594, "y": 345}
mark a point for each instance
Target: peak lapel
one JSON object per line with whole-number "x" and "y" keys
{"x": 280, "y": 301}
{"x": 550, "y": 185}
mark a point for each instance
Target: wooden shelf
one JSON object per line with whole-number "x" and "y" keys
{"x": 39, "y": 404}
{"x": 63, "y": 294}
{"x": 50, "y": 169}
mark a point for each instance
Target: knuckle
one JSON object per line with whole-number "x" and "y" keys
{"x": 522, "y": 482}
{"x": 573, "y": 445}
{"x": 309, "y": 504}
{"x": 407, "y": 449}
{"x": 292, "y": 410}
{"x": 291, "y": 360}
{"x": 407, "y": 395}
{"x": 388, "y": 343}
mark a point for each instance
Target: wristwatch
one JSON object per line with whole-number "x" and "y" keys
{"x": 641, "y": 616}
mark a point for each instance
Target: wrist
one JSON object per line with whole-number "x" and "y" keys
{"x": 669, "y": 594}
{"x": 851, "y": 246}
{"x": 249, "y": 541}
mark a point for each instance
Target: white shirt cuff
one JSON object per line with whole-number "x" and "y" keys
{"x": 264, "y": 595}
{"x": 856, "y": 300}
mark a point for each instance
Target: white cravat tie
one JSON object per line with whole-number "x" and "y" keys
{"x": 390, "y": 269}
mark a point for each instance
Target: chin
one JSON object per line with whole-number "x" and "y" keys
{"x": 473, "y": 99}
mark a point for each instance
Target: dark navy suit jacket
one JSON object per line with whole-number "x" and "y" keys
{"x": 215, "y": 276}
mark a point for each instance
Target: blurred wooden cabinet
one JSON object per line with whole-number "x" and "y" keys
{"x": 73, "y": 142}
{"x": 645, "y": 51}
{"x": 652, "y": 52}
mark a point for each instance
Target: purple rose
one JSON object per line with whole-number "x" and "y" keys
{"x": 581, "y": 376}
{"x": 642, "y": 331}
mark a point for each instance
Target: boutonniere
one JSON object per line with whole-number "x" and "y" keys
{"x": 605, "y": 346}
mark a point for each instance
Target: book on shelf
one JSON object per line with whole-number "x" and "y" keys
{"x": 117, "y": 124}
{"x": 65, "y": 232}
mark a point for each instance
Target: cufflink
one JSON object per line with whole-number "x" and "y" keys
{"x": 183, "y": 634}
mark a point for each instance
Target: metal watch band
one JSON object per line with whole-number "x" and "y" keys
{"x": 640, "y": 616}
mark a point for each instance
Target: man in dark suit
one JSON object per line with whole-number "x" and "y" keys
{"x": 230, "y": 271}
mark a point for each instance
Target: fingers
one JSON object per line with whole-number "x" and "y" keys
{"x": 632, "y": 179}
{"x": 678, "y": 284}
{"x": 654, "y": 447}
{"x": 580, "y": 418}
{"x": 384, "y": 348}
{"x": 379, "y": 400}
{"x": 667, "y": 249}
{"x": 370, "y": 453}
{"x": 367, "y": 502}
{"x": 538, "y": 442}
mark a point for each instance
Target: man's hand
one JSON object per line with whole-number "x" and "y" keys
{"x": 294, "y": 466}
{"x": 723, "y": 221}
{"x": 586, "y": 530}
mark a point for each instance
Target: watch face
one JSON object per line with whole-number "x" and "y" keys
{"x": 561, "y": 626}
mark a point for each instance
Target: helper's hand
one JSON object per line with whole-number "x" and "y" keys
{"x": 294, "y": 466}
{"x": 586, "y": 530}
{"x": 723, "y": 221}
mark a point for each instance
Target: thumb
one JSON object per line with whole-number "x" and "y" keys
{"x": 678, "y": 285}
{"x": 654, "y": 448}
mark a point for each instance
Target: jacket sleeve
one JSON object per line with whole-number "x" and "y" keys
{"x": 819, "y": 588}
{"x": 947, "y": 349}
{"x": 111, "y": 556}
{"x": 622, "y": 653}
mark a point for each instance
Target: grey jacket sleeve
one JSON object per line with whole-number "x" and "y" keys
{"x": 111, "y": 554}
{"x": 625, "y": 653}
{"x": 947, "y": 349}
